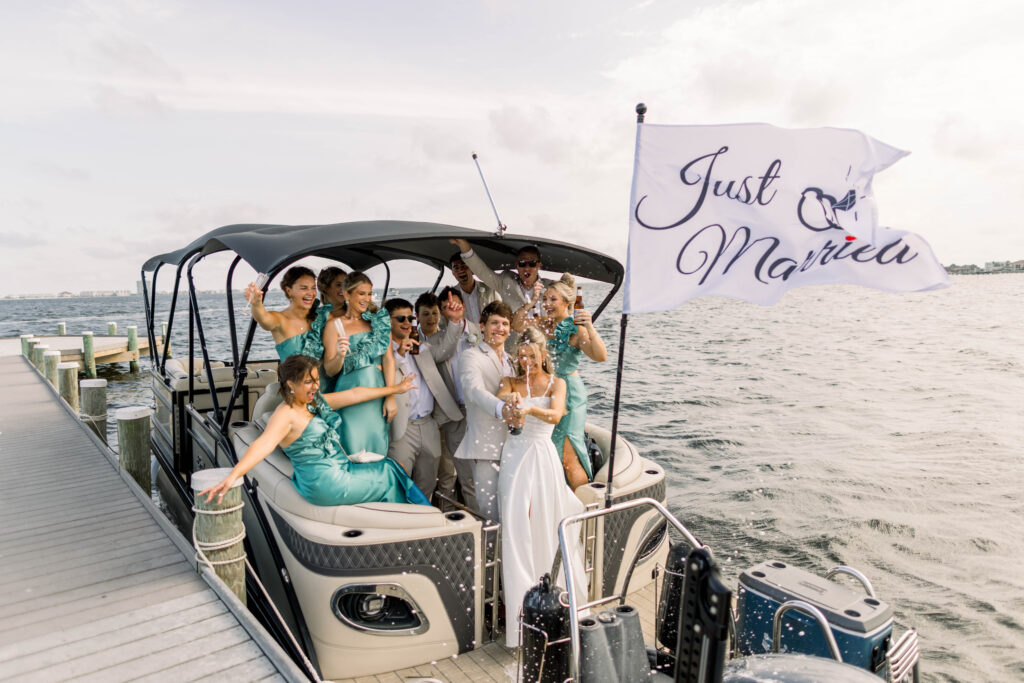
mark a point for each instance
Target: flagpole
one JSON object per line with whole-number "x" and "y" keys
{"x": 641, "y": 109}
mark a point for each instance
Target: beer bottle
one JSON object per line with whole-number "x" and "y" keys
{"x": 578, "y": 305}
{"x": 414, "y": 333}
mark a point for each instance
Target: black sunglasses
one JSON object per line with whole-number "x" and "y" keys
{"x": 403, "y": 318}
{"x": 528, "y": 264}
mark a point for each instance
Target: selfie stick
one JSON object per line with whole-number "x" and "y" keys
{"x": 501, "y": 226}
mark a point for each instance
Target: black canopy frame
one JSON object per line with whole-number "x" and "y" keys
{"x": 270, "y": 249}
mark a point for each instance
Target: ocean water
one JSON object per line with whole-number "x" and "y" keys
{"x": 840, "y": 426}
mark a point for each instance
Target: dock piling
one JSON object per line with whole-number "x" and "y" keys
{"x": 93, "y": 394}
{"x": 26, "y": 351}
{"x": 37, "y": 356}
{"x": 62, "y": 329}
{"x": 30, "y": 345}
{"x": 133, "y": 348}
{"x": 133, "y": 443}
{"x": 67, "y": 383}
{"x": 219, "y": 531}
{"x": 164, "y": 339}
{"x": 112, "y": 329}
{"x": 51, "y": 359}
{"x": 88, "y": 355}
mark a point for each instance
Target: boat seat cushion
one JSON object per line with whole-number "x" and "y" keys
{"x": 275, "y": 483}
{"x": 176, "y": 369}
{"x": 628, "y": 464}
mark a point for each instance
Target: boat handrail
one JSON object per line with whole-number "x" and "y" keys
{"x": 811, "y": 611}
{"x": 850, "y": 571}
{"x": 574, "y": 609}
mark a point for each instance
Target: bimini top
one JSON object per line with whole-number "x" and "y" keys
{"x": 363, "y": 244}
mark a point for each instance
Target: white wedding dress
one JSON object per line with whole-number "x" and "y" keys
{"x": 534, "y": 498}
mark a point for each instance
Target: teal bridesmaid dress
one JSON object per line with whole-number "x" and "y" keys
{"x": 325, "y": 476}
{"x": 309, "y": 343}
{"x": 363, "y": 427}
{"x": 565, "y": 359}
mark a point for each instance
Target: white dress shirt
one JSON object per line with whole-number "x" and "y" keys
{"x": 421, "y": 401}
{"x": 471, "y": 300}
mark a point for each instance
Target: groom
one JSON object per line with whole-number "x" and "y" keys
{"x": 487, "y": 417}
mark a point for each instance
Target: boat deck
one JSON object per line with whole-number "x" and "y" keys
{"x": 494, "y": 662}
{"x": 96, "y": 585}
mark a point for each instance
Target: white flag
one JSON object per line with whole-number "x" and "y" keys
{"x": 750, "y": 211}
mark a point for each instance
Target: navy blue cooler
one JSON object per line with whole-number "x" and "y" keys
{"x": 861, "y": 625}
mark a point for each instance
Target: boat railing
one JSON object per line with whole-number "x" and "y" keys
{"x": 570, "y": 580}
{"x": 490, "y": 551}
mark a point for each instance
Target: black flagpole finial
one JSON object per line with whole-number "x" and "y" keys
{"x": 641, "y": 109}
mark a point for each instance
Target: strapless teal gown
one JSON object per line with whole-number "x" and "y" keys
{"x": 309, "y": 343}
{"x": 325, "y": 476}
{"x": 565, "y": 359}
{"x": 363, "y": 427}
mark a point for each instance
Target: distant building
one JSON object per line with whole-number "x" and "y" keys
{"x": 991, "y": 267}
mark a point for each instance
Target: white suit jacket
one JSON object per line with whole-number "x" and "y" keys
{"x": 480, "y": 372}
{"x": 446, "y": 408}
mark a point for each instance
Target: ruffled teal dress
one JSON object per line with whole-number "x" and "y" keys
{"x": 363, "y": 427}
{"x": 325, "y": 476}
{"x": 309, "y": 343}
{"x": 565, "y": 359}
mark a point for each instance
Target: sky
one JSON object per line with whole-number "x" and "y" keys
{"x": 130, "y": 127}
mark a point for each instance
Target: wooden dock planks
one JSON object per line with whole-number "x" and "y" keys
{"x": 92, "y": 586}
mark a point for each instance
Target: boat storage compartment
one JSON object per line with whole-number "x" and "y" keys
{"x": 862, "y": 625}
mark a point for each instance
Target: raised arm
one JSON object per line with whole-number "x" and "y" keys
{"x": 277, "y": 428}
{"x": 477, "y": 266}
{"x": 335, "y": 348}
{"x": 448, "y": 342}
{"x": 587, "y": 339}
{"x": 350, "y": 397}
{"x": 268, "y": 320}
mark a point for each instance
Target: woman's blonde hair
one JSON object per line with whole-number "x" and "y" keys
{"x": 533, "y": 337}
{"x": 565, "y": 287}
{"x": 353, "y": 280}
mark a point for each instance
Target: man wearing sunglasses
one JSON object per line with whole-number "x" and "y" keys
{"x": 517, "y": 289}
{"x": 415, "y": 435}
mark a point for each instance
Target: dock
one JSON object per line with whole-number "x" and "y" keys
{"x": 106, "y": 349}
{"x": 96, "y": 583}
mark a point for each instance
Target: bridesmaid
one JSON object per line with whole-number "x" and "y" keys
{"x": 298, "y": 328}
{"x": 331, "y": 285}
{"x": 367, "y": 363}
{"x": 567, "y": 338}
{"x": 304, "y": 425}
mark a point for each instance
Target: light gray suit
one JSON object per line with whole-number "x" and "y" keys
{"x": 477, "y": 458}
{"x": 416, "y": 444}
{"x": 446, "y": 343}
{"x": 506, "y": 283}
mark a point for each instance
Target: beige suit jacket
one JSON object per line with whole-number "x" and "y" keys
{"x": 480, "y": 373}
{"x": 446, "y": 408}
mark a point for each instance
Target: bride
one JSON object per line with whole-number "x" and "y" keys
{"x": 532, "y": 491}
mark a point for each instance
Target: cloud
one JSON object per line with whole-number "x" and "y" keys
{"x": 529, "y": 131}
{"x": 116, "y": 101}
{"x": 62, "y": 172}
{"x": 128, "y": 56}
{"x": 13, "y": 240}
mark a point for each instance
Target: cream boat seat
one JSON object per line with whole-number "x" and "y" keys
{"x": 274, "y": 475}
